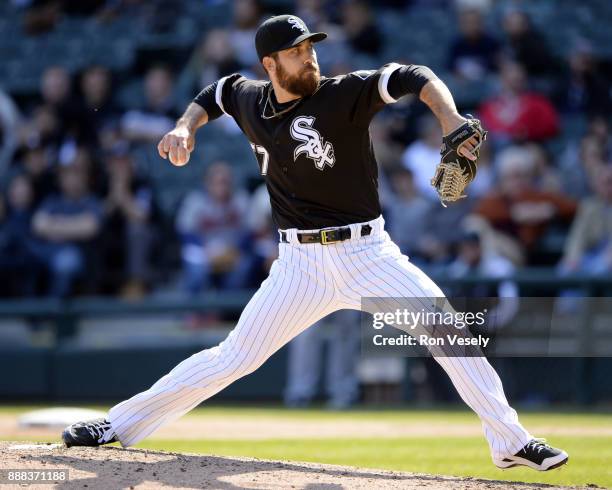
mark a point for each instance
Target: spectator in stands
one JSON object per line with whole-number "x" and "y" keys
{"x": 211, "y": 227}
{"x": 422, "y": 156}
{"x": 128, "y": 231}
{"x": 583, "y": 90}
{"x": 57, "y": 94}
{"x": 42, "y": 128}
{"x": 515, "y": 113}
{"x": 474, "y": 53}
{"x": 36, "y": 164}
{"x": 10, "y": 119}
{"x": 360, "y": 28}
{"x": 83, "y": 157}
{"x": 212, "y": 59}
{"x": 546, "y": 175}
{"x": 55, "y": 86}
{"x": 442, "y": 231}
{"x": 159, "y": 112}
{"x": 518, "y": 208}
{"x": 589, "y": 246}
{"x": 246, "y": 17}
{"x": 407, "y": 212}
{"x": 65, "y": 225}
{"x": 17, "y": 264}
{"x": 580, "y": 160}
{"x": 96, "y": 90}
{"x": 526, "y": 45}
{"x": 474, "y": 259}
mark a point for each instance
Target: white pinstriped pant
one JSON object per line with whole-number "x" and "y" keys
{"x": 306, "y": 283}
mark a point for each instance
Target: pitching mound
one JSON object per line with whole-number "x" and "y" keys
{"x": 114, "y": 467}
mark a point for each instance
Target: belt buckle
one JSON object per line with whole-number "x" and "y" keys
{"x": 325, "y": 240}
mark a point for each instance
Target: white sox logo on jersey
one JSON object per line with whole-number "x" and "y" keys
{"x": 296, "y": 24}
{"x": 321, "y": 152}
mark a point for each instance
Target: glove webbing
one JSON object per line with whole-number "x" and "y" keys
{"x": 452, "y": 182}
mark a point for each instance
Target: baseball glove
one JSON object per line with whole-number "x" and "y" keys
{"x": 455, "y": 172}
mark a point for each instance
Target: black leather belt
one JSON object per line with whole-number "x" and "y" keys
{"x": 326, "y": 237}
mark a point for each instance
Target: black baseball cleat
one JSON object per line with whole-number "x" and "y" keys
{"x": 90, "y": 433}
{"x": 537, "y": 455}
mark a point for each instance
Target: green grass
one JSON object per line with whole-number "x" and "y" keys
{"x": 459, "y": 456}
{"x": 590, "y": 455}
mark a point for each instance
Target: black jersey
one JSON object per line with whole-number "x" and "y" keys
{"x": 316, "y": 158}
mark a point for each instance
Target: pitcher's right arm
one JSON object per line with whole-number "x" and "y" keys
{"x": 178, "y": 144}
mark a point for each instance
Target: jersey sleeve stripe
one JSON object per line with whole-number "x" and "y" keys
{"x": 384, "y": 80}
{"x": 219, "y": 93}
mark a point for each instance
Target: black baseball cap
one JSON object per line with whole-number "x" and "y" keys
{"x": 282, "y": 32}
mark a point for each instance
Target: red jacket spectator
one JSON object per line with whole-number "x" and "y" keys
{"x": 517, "y": 114}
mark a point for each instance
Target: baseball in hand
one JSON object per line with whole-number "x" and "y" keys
{"x": 176, "y": 146}
{"x": 180, "y": 159}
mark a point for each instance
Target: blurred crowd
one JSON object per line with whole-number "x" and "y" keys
{"x": 78, "y": 215}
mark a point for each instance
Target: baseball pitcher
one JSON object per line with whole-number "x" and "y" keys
{"x": 310, "y": 136}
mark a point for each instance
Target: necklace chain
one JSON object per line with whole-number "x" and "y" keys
{"x": 274, "y": 113}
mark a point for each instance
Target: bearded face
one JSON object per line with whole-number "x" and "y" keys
{"x": 304, "y": 83}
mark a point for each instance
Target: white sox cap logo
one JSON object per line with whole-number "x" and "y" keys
{"x": 296, "y": 23}
{"x": 322, "y": 153}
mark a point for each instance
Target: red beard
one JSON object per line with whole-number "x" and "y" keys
{"x": 303, "y": 84}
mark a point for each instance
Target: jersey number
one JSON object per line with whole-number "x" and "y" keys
{"x": 258, "y": 149}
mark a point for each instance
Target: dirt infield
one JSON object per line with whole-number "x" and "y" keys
{"x": 114, "y": 467}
